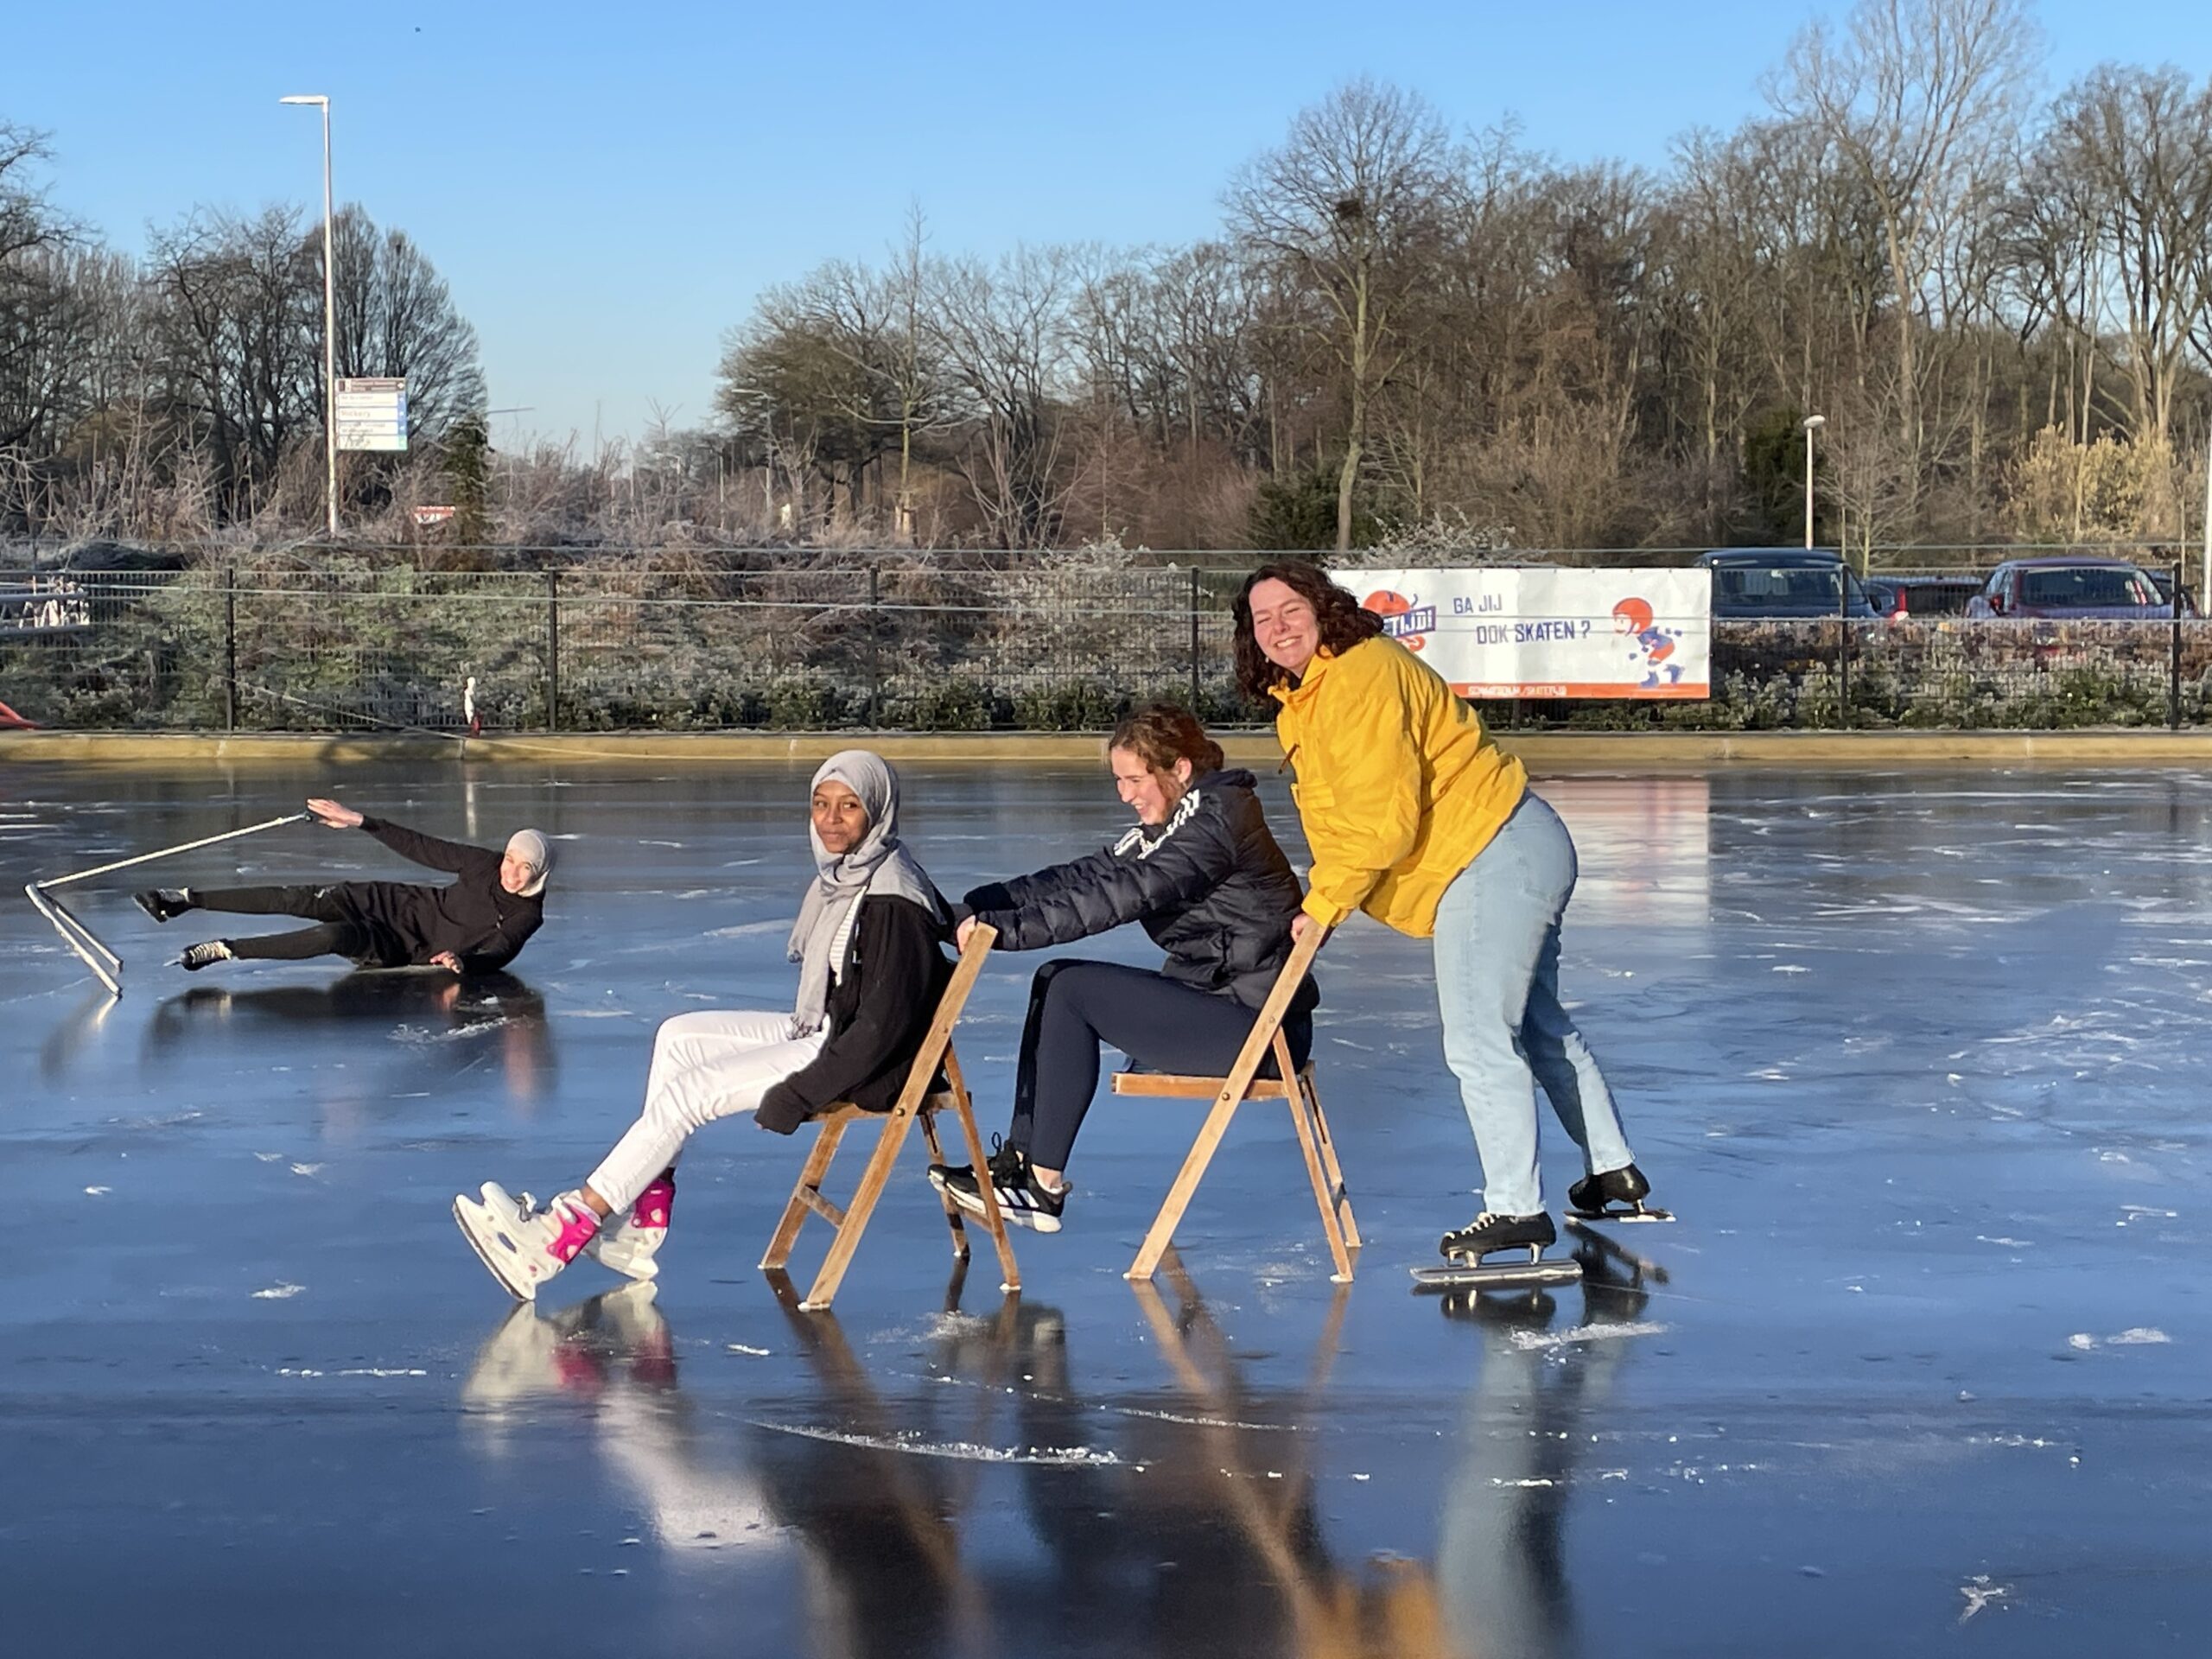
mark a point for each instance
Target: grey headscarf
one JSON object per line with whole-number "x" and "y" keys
{"x": 537, "y": 852}
{"x": 879, "y": 864}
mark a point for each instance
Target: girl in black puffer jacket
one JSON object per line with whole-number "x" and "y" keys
{"x": 1208, "y": 882}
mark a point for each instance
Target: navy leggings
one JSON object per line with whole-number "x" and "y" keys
{"x": 1161, "y": 1024}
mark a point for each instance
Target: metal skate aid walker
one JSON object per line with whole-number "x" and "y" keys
{"x": 104, "y": 963}
{"x": 1615, "y": 1197}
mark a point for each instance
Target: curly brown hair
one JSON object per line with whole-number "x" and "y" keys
{"x": 1160, "y": 734}
{"x": 1342, "y": 623}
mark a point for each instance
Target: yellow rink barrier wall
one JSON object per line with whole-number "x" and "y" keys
{"x": 1547, "y": 753}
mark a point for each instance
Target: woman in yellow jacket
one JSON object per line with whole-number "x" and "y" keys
{"x": 1414, "y": 816}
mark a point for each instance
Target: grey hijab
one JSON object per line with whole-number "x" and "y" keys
{"x": 879, "y": 864}
{"x": 537, "y": 852}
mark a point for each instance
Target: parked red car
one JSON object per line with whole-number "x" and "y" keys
{"x": 2065, "y": 587}
{"x": 1915, "y": 597}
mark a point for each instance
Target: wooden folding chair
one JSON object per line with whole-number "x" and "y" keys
{"x": 917, "y": 1101}
{"x": 1291, "y": 1083}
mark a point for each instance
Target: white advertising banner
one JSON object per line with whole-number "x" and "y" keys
{"x": 373, "y": 413}
{"x": 1545, "y": 632}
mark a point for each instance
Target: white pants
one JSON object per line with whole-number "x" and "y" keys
{"x": 705, "y": 1065}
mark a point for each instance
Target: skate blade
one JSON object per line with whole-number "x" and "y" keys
{"x": 1519, "y": 1273}
{"x": 1617, "y": 1217}
{"x": 526, "y": 1291}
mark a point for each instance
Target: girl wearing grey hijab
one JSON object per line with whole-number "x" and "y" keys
{"x": 476, "y": 925}
{"x": 867, "y": 944}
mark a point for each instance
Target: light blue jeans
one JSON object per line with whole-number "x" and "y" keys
{"x": 1504, "y": 1030}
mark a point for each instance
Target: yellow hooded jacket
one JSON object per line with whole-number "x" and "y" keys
{"x": 1398, "y": 785}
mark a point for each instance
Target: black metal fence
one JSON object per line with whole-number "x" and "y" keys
{"x": 1067, "y": 647}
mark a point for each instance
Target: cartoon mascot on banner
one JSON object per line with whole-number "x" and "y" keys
{"x": 1655, "y": 646}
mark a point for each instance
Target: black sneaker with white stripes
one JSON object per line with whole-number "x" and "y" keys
{"x": 1023, "y": 1199}
{"x": 206, "y": 954}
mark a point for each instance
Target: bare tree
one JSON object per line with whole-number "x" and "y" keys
{"x": 236, "y": 343}
{"x": 395, "y": 317}
{"x": 1917, "y": 103}
{"x": 1004, "y": 331}
{"x": 1351, "y": 209}
{"x": 41, "y": 319}
{"x": 2114, "y": 214}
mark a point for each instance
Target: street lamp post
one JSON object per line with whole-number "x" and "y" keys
{"x": 1811, "y": 423}
{"x": 329, "y": 328}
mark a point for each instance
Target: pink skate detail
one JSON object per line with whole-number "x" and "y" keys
{"x": 655, "y": 1204}
{"x": 579, "y": 1228}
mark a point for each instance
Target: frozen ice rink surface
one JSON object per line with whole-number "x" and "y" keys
{"x": 1919, "y": 1058}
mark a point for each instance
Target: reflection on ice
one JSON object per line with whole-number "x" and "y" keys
{"x": 1194, "y": 1527}
{"x": 1932, "y": 1326}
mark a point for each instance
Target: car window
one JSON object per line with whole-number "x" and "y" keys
{"x": 1760, "y": 584}
{"x": 2085, "y": 587}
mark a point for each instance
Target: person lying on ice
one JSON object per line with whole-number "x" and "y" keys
{"x": 872, "y": 970}
{"x": 474, "y": 925}
{"x": 1203, "y": 875}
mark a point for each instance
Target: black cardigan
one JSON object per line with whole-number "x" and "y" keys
{"x": 475, "y": 918}
{"x": 881, "y": 1005}
{"x": 1210, "y": 886}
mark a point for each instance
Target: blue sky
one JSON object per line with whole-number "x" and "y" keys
{"x": 607, "y": 187}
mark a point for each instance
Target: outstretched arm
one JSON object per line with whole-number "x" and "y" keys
{"x": 456, "y": 857}
{"x": 1092, "y": 895}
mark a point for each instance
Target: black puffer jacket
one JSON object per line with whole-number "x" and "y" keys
{"x": 1210, "y": 886}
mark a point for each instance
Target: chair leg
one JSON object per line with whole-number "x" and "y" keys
{"x": 1339, "y": 1196}
{"x": 874, "y": 1179}
{"x": 994, "y": 1219}
{"x": 951, "y": 1211}
{"x": 1186, "y": 1183}
{"x": 795, "y": 1211}
{"x": 1294, "y": 1097}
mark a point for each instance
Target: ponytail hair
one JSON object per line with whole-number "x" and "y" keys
{"x": 1160, "y": 734}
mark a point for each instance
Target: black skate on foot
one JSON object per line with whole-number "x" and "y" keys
{"x": 206, "y": 954}
{"x": 164, "y": 903}
{"x": 1023, "y": 1199}
{"x": 1488, "y": 1233}
{"x": 1616, "y": 1195}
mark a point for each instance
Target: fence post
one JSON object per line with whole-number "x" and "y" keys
{"x": 231, "y": 649}
{"x": 552, "y": 651}
{"x": 874, "y": 647}
{"x": 2173, "y": 659}
{"x": 1843, "y": 647}
{"x": 1194, "y": 640}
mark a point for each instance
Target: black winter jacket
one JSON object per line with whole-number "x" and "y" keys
{"x": 881, "y": 1001}
{"x": 1210, "y": 886}
{"x": 475, "y": 918}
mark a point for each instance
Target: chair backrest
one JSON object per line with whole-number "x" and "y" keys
{"x": 929, "y": 1056}
{"x": 1254, "y": 1054}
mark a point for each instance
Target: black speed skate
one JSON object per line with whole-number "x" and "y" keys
{"x": 1616, "y": 1195}
{"x": 1486, "y": 1235}
{"x": 164, "y": 903}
